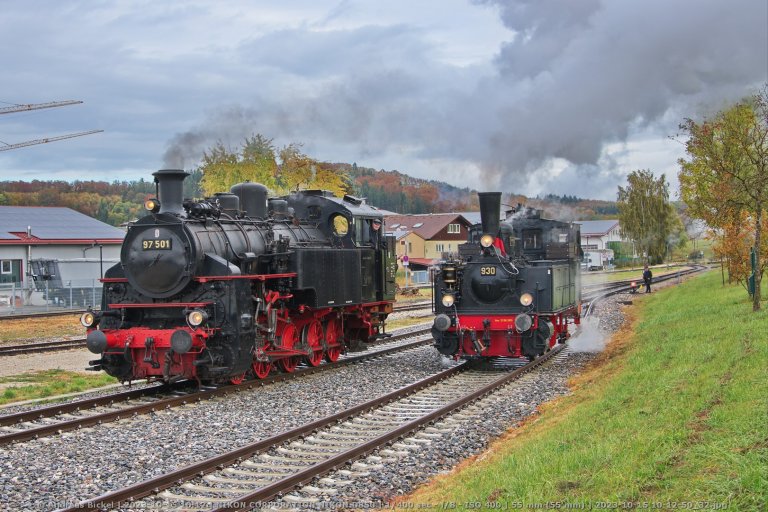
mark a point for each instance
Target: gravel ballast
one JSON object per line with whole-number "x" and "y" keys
{"x": 62, "y": 470}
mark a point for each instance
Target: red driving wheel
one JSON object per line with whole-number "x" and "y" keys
{"x": 288, "y": 338}
{"x": 313, "y": 338}
{"x": 261, "y": 369}
{"x": 333, "y": 337}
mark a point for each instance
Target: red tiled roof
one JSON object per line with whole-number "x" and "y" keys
{"x": 431, "y": 223}
{"x": 425, "y": 262}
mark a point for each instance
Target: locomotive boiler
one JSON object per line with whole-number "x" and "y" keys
{"x": 240, "y": 283}
{"x": 512, "y": 290}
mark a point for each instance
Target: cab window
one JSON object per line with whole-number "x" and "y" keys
{"x": 340, "y": 225}
{"x": 531, "y": 239}
{"x": 362, "y": 233}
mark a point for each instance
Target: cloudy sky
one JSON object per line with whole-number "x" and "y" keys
{"x": 528, "y": 96}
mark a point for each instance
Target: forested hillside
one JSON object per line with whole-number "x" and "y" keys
{"x": 122, "y": 201}
{"x": 113, "y": 203}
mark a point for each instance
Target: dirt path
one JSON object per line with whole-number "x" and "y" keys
{"x": 72, "y": 360}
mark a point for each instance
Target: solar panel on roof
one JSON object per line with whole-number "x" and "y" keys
{"x": 54, "y": 223}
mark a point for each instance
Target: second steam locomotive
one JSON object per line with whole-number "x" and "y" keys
{"x": 513, "y": 289}
{"x": 239, "y": 283}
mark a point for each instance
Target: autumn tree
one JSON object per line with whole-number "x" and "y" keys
{"x": 724, "y": 181}
{"x": 298, "y": 171}
{"x": 223, "y": 167}
{"x": 645, "y": 213}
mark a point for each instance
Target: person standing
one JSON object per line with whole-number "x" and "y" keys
{"x": 647, "y": 276}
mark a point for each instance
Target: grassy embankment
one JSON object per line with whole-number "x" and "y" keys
{"x": 48, "y": 383}
{"x": 589, "y": 278}
{"x": 674, "y": 415}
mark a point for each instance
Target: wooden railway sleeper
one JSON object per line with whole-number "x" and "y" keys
{"x": 263, "y": 472}
{"x": 266, "y": 465}
{"x": 239, "y": 481}
{"x": 218, "y": 490}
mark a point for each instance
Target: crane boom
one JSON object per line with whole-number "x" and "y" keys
{"x": 37, "y": 106}
{"x": 43, "y": 141}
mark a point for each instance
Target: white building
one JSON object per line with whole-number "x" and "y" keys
{"x": 31, "y": 236}
{"x": 595, "y": 234}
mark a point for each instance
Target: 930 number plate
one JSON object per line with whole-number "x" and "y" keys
{"x": 163, "y": 244}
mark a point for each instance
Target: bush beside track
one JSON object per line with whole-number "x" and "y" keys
{"x": 673, "y": 415}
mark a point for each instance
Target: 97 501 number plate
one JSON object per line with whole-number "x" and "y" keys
{"x": 159, "y": 244}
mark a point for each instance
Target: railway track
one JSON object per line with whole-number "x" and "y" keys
{"x": 591, "y": 293}
{"x": 40, "y": 347}
{"x": 57, "y": 345}
{"x": 229, "y": 494}
{"x": 45, "y": 314}
{"x": 246, "y": 477}
{"x": 63, "y": 417}
{"x": 589, "y": 299}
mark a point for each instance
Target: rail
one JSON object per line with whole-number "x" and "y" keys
{"x": 333, "y": 460}
{"x": 15, "y": 432}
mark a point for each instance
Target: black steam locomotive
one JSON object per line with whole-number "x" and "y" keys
{"x": 236, "y": 284}
{"x": 513, "y": 289}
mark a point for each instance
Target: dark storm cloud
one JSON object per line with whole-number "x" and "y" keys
{"x": 587, "y": 73}
{"x": 574, "y": 77}
{"x": 407, "y": 85}
{"x": 367, "y": 89}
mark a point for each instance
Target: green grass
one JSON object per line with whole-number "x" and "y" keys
{"x": 408, "y": 322}
{"x": 48, "y": 383}
{"x": 675, "y": 415}
{"x": 417, "y": 295}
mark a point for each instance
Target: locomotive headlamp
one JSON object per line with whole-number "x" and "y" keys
{"x": 448, "y": 300}
{"x": 152, "y": 205}
{"x": 486, "y": 240}
{"x": 526, "y": 299}
{"x": 196, "y": 317}
{"x": 88, "y": 319}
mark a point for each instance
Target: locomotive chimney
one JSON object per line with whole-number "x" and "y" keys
{"x": 490, "y": 209}
{"x": 170, "y": 190}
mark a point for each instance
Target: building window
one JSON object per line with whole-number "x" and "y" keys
{"x": 454, "y": 228}
{"x": 440, "y": 247}
{"x": 410, "y": 247}
{"x": 6, "y": 267}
